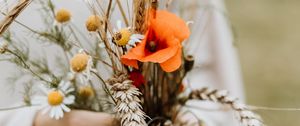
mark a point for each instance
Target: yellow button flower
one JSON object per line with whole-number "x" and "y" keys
{"x": 93, "y": 23}
{"x": 55, "y": 98}
{"x": 79, "y": 62}
{"x": 63, "y": 15}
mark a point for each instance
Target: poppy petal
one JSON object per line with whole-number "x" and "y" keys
{"x": 161, "y": 55}
{"x": 130, "y": 62}
{"x": 173, "y": 63}
{"x": 166, "y": 24}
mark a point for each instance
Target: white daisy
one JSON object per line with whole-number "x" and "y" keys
{"x": 82, "y": 66}
{"x": 55, "y": 100}
{"x": 124, "y": 36}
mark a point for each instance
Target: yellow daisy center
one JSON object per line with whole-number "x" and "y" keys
{"x": 55, "y": 98}
{"x": 122, "y": 37}
{"x": 79, "y": 62}
{"x": 93, "y": 23}
{"x": 86, "y": 92}
{"x": 63, "y": 15}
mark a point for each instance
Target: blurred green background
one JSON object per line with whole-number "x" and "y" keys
{"x": 268, "y": 40}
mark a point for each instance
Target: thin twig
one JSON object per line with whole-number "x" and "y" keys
{"x": 13, "y": 14}
{"x": 105, "y": 86}
{"x": 16, "y": 107}
{"x": 26, "y": 66}
{"x": 107, "y": 14}
{"x": 123, "y": 13}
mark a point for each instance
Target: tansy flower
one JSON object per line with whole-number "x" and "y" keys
{"x": 93, "y": 23}
{"x": 55, "y": 101}
{"x": 162, "y": 43}
{"x": 124, "y": 36}
{"x": 81, "y": 65}
{"x": 63, "y": 15}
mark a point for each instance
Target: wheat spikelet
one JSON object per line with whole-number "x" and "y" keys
{"x": 245, "y": 115}
{"x": 128, "y": 106}
{"x": 140, "y": 15}
{"x": 13, "y": 14}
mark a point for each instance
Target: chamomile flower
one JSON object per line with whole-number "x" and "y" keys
{"x": 124, "y": 36}
{"x": 55, "y": 100}
{"x": 81, "y": 66}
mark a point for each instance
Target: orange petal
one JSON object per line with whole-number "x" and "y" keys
{"x": 166, "y": 24}
{"x": 173, "y": 63}
{"x": 139, "y": 50}
{"x": 161, "y": 55}
{"x": 130, "y": 62}
{"x": 135, "y": 53}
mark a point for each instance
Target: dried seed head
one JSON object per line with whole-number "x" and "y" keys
{"x": 93, "y": 23}
{"x": 79, "y": 62}
{"x": 188, "y": 63}
{"x": 63, "y": 15}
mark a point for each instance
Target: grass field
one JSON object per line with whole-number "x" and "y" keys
{"x": 268, "y": 40}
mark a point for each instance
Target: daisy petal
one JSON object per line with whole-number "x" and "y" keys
{"x": 69, "y": 90}
{"x": 65, "y": 108}
{"x": 59, "y": 113}
{"x": 52, "y": 112}
{"x": 138, "y": 36}
{"x": 56, "y": 115}
{"x": 69, "y": 99}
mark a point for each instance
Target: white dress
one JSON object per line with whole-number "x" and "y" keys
{"x": 216, "y": 64}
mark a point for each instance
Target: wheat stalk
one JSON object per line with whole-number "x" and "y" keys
{"x": 140, "y": 15}
{"x": 244, "y": 114}
{"x": 12, "y": 15}
{"x": 128, "y": 106}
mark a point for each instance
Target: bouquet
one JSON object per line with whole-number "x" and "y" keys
{"x": 132, "y": 68}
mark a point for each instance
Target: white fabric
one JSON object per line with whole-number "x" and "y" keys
{"x": 216, "y": 64}
{"x": 18, "y": 117}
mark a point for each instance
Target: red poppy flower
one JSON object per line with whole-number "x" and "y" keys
{"x": 162, "y": 42}
{"x": 137, "y": 78}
